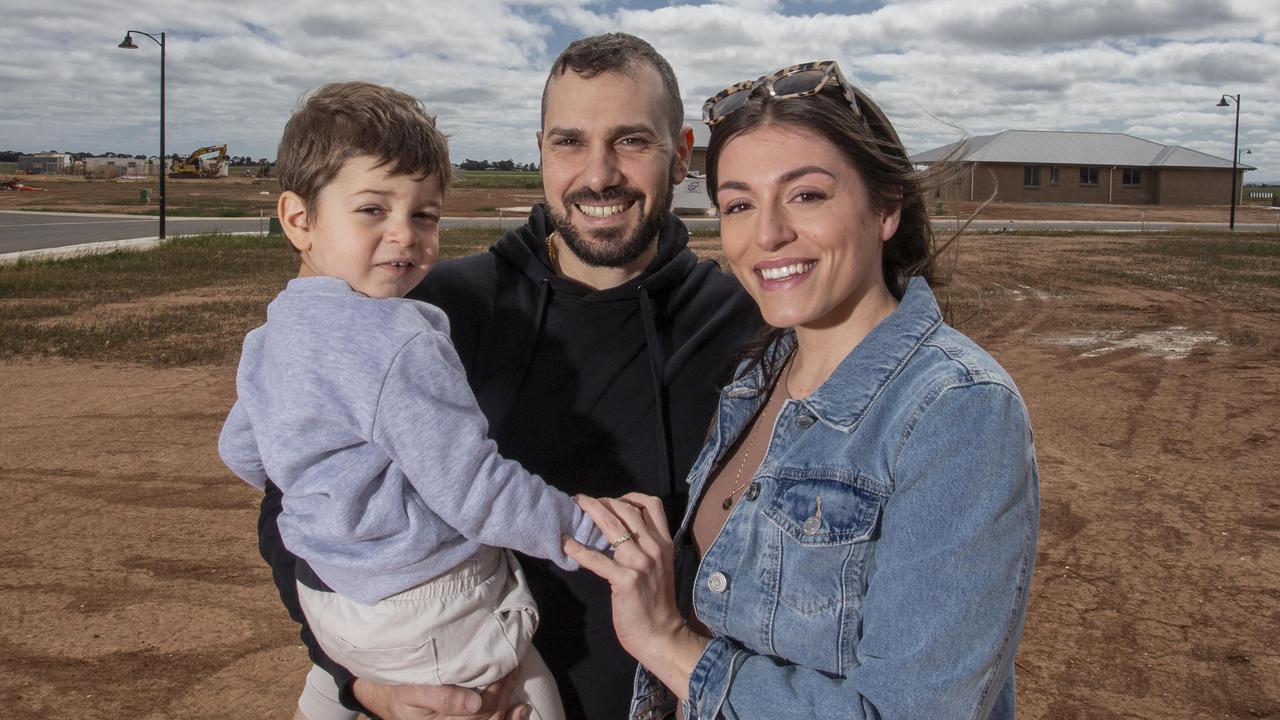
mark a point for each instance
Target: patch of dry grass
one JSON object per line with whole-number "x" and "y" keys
{"x": 187, "y": 302}
{"x": 190, "y": 301}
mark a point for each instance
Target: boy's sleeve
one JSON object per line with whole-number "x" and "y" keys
{"x": 238, "y": 447}
{"x": 427, "y": 420}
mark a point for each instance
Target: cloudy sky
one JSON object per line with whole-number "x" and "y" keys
{"x": 1151, "y": 68}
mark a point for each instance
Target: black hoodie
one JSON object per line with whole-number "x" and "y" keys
{"x": 599, "y": 392}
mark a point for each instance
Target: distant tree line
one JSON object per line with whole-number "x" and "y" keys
{"x": 13, "y": 155}
{"x": 508, "y": 165}
{"x": 468, "y": 164}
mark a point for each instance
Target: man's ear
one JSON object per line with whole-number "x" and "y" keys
{"x": 292, "y": 212}
{"x": 538, "y": 137}
{"x": 684, "y": 154}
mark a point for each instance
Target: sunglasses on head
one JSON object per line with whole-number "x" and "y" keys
{"x": 795, "y": 81}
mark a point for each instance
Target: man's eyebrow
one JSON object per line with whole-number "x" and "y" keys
{"x": 785, "y": 178}
{"x": 633, "y": 130}
{"x": 616, "y": 131}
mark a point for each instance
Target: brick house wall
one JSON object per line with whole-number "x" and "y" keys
{"x": 1192, "y": 186}
{"x": 1164, "y": 186}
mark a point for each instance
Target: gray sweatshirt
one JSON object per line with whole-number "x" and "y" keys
{"x": 358, "y": 409}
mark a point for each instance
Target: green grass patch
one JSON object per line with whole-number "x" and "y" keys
{"x": 500, "y": 179}
{"x": 226, "y": 212}
{"x": 8, "y": 168}
{"x": 187, "y": 302}
{"x": 136, "y": 208}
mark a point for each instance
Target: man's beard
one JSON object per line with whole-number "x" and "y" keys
{"x": 610, "y": 247}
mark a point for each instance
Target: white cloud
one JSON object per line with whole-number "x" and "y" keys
{"x": 1154, "y": 68}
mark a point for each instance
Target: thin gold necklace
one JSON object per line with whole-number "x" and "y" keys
{"x": 739, "y": 483}
{"x": 742, "y": 464}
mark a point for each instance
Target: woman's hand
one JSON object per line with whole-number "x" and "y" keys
{"x": 432, "y": 702}
{"x": 641, "y": 575}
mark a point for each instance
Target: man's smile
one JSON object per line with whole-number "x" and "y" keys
{"x": 601, "y": 211}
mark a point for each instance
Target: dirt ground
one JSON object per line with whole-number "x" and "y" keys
{"x": 132, "y": 586}
{"x": 230, "y": 196}
{"x": 241, "y": 196}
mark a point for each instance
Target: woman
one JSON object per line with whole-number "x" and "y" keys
{"x": 865, "y": 506}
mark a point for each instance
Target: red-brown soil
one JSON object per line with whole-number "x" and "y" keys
{"x": 233, "y": 195}
{"x": 132, "y": 586}
{"x": 226, "y": 196}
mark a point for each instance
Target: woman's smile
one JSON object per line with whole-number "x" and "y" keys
{"x": 783, "y": 274}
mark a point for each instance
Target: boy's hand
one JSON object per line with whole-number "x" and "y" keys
{"x": 434, "y": 702}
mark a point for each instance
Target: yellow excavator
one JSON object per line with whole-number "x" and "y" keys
{"x": 196, "y": 166}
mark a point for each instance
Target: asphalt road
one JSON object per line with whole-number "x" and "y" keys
{"x": 20, "y": 231}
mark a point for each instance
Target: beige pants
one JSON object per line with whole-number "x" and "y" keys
{"x": 471, "y": 626}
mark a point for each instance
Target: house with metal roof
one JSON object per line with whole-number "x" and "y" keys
{"x": 1085, "y": 167}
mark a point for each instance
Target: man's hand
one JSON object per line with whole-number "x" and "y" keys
{"x": 434, "y": 702}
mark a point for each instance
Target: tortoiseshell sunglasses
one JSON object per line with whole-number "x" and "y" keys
{"x": 795, "y": 81}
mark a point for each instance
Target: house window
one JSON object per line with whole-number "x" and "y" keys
{"x": 1031, "y": 175}
{"x": 1132, "y": 176}
{"x": 1053, "y": 175}
{"x": 1088, "y": 176}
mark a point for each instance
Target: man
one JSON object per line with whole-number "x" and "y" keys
{"x": 594, "y": 341}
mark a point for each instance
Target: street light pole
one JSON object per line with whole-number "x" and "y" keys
{"x": 127, "y": 44}
{"x": 1235, "y": 157}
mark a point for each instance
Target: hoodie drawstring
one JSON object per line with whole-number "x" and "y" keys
{"x": 539, "y": 319}
{"x": 656, "y": 363}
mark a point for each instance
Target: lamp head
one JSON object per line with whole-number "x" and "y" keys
{"x": 127, "y": 43}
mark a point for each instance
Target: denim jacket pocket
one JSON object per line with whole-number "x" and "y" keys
{"x": 821, "y": 549}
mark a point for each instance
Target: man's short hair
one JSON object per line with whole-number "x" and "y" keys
{"x": 343, "y": 120}
{"x": 620, "y": 53}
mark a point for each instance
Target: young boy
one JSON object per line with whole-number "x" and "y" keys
{"x": 353, "y": 402}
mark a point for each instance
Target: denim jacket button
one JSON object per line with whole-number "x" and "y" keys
{"x": 717, "y": 583}
{"x": 753, "y": 491}
{"x": 804, "y": 422}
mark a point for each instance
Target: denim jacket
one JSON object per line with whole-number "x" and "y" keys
{"x": 878, "y": 565}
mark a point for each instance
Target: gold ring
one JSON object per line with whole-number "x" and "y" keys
{"x": 614, "y": 545}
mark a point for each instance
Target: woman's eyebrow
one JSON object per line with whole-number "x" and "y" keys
{"x": 786, "y": 177}
{"x": 802, "y": 171}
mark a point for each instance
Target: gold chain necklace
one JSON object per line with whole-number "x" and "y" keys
{"x": 551, "y": 250}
